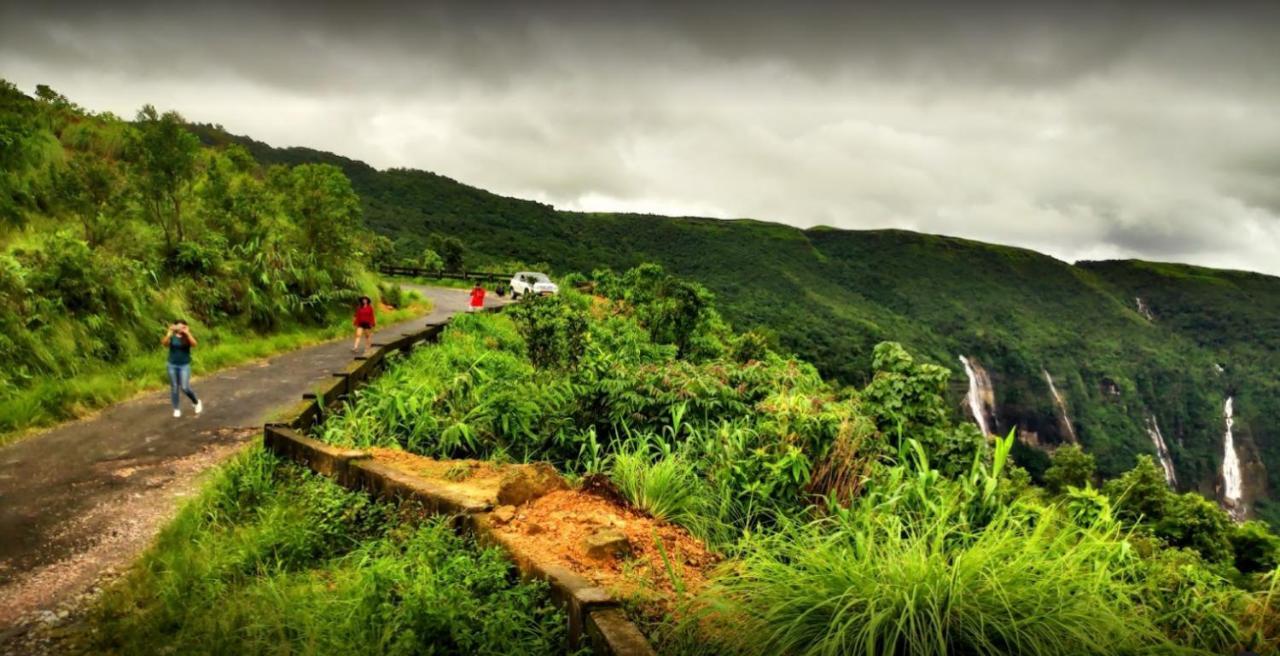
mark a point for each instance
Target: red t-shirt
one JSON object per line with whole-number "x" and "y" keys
{"x": 364, "y": 315}
{"x": 477, "y": 297}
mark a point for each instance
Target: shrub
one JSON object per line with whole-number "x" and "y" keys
{"x": 553, "y": 329}
{"x": 1255, "y": 547}
{"x": 1069, "y": 466}
{"x": 1194, "y": 522}
{"x": 1140, "y": 493}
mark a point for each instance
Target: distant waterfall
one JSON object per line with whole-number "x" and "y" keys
{"x": 1062, "y": 407}
{"x": 1232, "y": 488}
{"x": 980, "y": 395}
{"x": 1143, "y": 309}
{"x": 1162, "y": 451}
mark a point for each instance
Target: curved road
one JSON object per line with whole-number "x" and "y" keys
{"x": 85, "y": 498}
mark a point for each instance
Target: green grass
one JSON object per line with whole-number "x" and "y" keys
{"x": 666, "y": 486}
{"x": 881, "y": 586}
{"x": 48, "y": 401}
{"x": 272, "y": 559}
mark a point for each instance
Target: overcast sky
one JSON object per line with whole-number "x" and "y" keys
{"x": 1087, "y": 133}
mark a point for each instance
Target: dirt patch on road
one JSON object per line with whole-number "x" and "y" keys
{"x": 108, "y": 538}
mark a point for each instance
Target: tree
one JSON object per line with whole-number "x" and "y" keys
{"x": 1256, "y": 548}
{"x": 381, "y": 250}
{"x": 1140, "y": 493}
{"x": 1070, "y": 467}
{"x": 92, "y": 191}
{"x": 321, "y": 202}
{"x": 1194, "y": 522}
{"x": 450, "y": 249}
{"x": 431, "y": 261}
{"x": 233, "y": 200}
{"x": 164, "y": 157}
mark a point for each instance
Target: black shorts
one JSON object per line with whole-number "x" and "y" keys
{"x": 365, "y": 324}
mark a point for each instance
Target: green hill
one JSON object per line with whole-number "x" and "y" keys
{"x": 830, "y": 295}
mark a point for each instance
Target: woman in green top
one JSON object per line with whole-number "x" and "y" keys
{"x": 180, "y": 340}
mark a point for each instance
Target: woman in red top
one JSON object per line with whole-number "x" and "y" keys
{"x": 477, "y": 298}
{"x": 364, "y": 323}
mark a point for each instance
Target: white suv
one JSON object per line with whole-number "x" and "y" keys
{"x": 530, "y": 282}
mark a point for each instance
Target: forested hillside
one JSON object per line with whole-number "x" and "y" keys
{"x": 112, "y": 229}
{"x": 1124, "y": 373}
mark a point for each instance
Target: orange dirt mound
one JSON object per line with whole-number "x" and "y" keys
{"x": 557, "y": 525}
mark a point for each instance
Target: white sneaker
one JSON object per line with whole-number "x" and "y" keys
{"x": 199, "y": 407}
{"x": 177, "y": 413}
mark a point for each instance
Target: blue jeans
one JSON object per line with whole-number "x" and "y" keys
{"x": 180, "y": 378}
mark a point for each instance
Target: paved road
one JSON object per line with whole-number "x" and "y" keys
{"x": 74, "y": 498}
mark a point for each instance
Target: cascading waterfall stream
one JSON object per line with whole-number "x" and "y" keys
{"x": 1062, "y": 407}
{"x": 979, "y": 386}
{"x": 1232, "y": 487}
{"x": 1162, "y": 451}
{"x": 1143, "y": 309}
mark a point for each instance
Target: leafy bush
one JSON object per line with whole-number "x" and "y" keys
{"x": 1255, "y": 547}
{"x": 553, "y": 330}
{"x": 1069, "y": 466}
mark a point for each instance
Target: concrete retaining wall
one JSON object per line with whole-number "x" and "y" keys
{"x": 595, "y": 618}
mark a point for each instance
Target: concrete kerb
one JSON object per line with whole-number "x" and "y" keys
{"x": 576, "y": 595}
{"x": 389, "y": 483}
{"x": 593, "y": 614}
{"x": 610, "y": 627}
{"x": 315, "y": 455}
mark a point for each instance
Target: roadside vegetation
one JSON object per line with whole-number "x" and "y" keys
{"x": 272, "y": 559}
{"x": 852, "y": 520}
{"x": 111, "y": 229}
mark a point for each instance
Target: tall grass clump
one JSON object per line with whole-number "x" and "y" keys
{"x": 664, "y": 485}
{"x": 274, "y": 560}
{"x": 874, "y": 583}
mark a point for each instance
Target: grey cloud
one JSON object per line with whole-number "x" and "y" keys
{"x": 1081, "y": 130}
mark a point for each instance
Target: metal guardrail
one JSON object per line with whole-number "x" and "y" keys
{"x": 416, "y": 272}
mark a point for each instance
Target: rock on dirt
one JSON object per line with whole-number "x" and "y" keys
{"x": 525, "y": 483}
{"x": 504, "y": 514}
{"x": 607, "y": 543}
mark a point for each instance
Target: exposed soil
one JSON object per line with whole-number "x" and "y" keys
{"x": 557, "y": 526}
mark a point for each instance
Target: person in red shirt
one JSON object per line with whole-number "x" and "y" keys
{"x": 364, "y": 323}
{"x": 477, "y": 298}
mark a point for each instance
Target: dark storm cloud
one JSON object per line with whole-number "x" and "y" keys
{"x": 1084, "y": 130}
